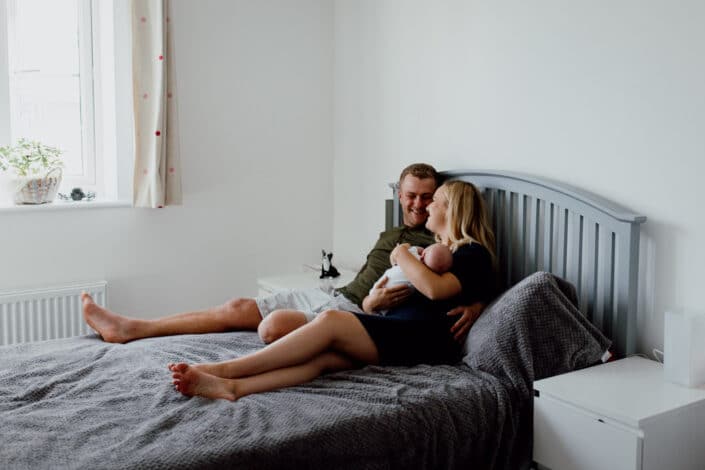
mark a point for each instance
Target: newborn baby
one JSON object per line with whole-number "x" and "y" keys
{"x": 436, "y": 257}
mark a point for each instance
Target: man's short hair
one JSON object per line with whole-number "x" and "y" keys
{"x": 421, "y": 171}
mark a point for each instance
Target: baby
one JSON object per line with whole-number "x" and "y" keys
{"x": 436, "y": 257}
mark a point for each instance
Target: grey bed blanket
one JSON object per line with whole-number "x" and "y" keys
{"x": 83, "y": 403}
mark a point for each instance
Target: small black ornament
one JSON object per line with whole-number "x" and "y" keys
{"x": 327, "y": 269}
{"x": 77, "y": 194}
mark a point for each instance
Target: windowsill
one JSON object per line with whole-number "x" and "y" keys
{"x": 65, "y": 205}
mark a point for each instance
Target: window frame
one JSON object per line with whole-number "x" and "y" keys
{"x": 88, "y": 158}
{"x": 88, "y": 79}
{"x": 108, "y": 63}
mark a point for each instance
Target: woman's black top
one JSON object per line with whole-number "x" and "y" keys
{"x": 418, "y": 331}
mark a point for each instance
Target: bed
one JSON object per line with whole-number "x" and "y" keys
{"x": 83, "y": 403}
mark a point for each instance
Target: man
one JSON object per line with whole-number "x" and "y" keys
{"x": 280, "y": 313}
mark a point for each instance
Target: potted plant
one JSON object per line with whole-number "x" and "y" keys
{"x": 32, "y": 171}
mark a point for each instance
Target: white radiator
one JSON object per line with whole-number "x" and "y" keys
{"x": 39, "y": 314}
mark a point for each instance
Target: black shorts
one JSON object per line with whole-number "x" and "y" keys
{"x": 404, "y": 342}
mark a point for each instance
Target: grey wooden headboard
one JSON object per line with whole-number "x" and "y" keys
{"x": 542, "y": 225}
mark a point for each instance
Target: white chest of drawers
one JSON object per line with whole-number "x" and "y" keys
{"x": 619, "y": 415}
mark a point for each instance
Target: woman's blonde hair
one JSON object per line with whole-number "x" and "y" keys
{"x": 467, "y": 217}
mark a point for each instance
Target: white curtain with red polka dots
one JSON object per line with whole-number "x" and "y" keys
{"x": 157, "y": 180}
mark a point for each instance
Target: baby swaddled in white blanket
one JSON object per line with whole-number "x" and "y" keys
{"x": 436, "y": 257}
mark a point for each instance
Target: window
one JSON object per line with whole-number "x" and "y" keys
{"x": 58, "y": 84}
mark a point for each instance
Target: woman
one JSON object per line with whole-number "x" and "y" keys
{"x": 417, "y": 331}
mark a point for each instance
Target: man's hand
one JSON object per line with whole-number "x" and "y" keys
{"x": 468, "y": 315}
{"x": 384, "y": 298}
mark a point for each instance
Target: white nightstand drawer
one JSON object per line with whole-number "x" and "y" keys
{"x": 647, "y": 423}
{"x": 568, "y": 438}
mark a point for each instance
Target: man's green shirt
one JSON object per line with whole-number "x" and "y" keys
{"x": 378, "y": 259}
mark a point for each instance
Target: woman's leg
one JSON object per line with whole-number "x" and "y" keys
{"x": 331, "y": 331}
{"x": 191, "y": 381}
{"x": 236, "y": 314}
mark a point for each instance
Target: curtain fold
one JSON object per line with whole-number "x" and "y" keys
{"x": 157, "y": 174}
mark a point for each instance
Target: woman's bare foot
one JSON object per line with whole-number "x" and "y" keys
{"x": 190, "y": 381}
{"x": 112, "y": 327}
{"x": 208, "y": 368}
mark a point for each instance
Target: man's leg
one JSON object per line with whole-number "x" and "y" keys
{"x": 236, "y": 314}
{"x": 287, "y": 311}
{"x": 280, "y": 323}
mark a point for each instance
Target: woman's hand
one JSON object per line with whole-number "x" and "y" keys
{"x": 468, "y": 316}
{"x": 432, "y": 285}
{"x": 384, "y": 298}
{"x": 395, "y": 252}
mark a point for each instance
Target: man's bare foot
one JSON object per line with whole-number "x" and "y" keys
{"x": 112, "y": 327}
{"x": 190, "y": 381}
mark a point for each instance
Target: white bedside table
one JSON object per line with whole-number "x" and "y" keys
{"x": 269, "y": 285}
{"x": 619, "y": 415}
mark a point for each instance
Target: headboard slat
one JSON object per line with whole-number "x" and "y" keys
{"x": 547, "y": 236}
{"x": 573, "y": 244}
{"x": 532, "y": 214}
{"x": 561, "y": 238}
{"x": 603, "y": 263}
{"x": 588, "y": 278}
{"x": 509, "y": 231}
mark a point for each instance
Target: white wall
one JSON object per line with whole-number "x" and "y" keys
{"x": 254, "y": 84}
{"x": 605, "y": 95}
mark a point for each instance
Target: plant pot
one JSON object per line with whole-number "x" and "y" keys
{"x": 37, "y": 190}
